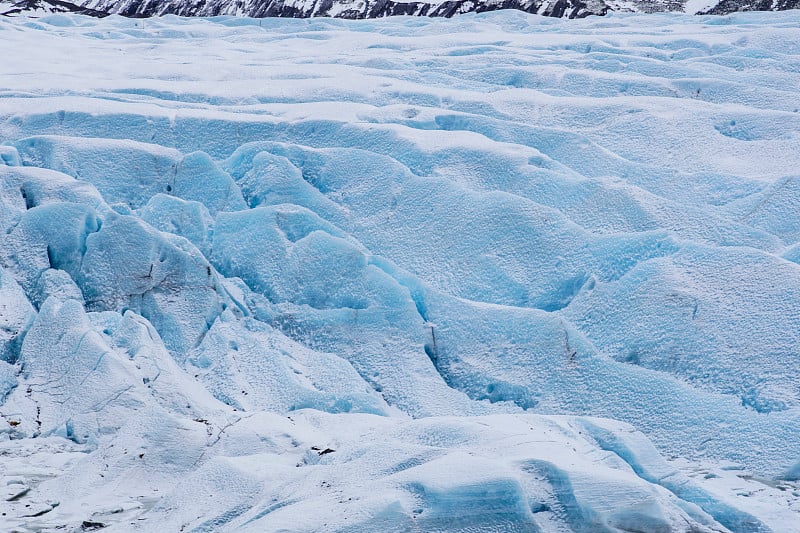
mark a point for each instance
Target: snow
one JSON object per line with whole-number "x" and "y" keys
{"x": 499, "y": 272}
{"x": 698, "y": 6}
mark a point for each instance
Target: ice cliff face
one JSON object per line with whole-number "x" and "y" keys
{"x": 360, "y": 9}
{"x": 321, "y": 275}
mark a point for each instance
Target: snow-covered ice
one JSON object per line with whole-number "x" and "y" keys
{"x": 493, "y": 273}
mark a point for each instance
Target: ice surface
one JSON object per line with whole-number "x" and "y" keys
{"x": 16, "y": 316}
{"x": 324, "y": 275}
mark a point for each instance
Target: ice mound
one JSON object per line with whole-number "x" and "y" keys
{"x": 497, "y": 273}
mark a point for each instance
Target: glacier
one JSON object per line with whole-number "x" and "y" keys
{"x": 500, "y": 272}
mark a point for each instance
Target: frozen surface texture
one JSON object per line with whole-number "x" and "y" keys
{"x": 493, "y": 273}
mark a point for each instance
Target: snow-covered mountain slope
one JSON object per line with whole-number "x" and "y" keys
{"x": 349, "y": 9}
{"x": 360, "y": 9}
{"x": 324, "y": 275}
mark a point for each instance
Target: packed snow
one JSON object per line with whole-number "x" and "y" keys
{"x": 493, "y": 273}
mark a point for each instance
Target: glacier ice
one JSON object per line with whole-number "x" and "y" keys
{"x": 493, "y": 273}
{"x": 16, "y": 316}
